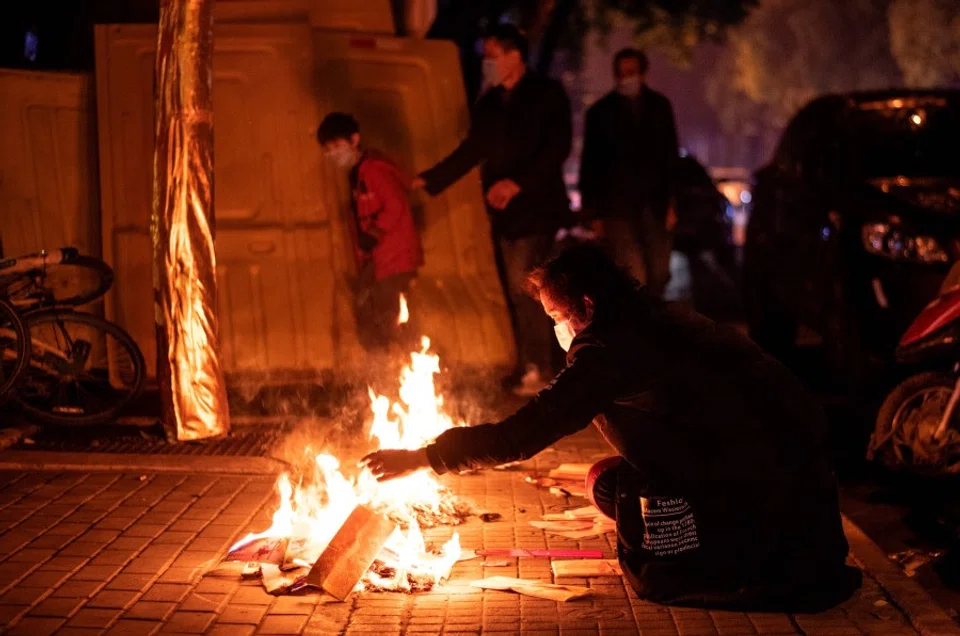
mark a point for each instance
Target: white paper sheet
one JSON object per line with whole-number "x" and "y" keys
{"x": 538, "y": 589}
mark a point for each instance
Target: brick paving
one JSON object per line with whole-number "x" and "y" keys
{"x": 119, "y": 553}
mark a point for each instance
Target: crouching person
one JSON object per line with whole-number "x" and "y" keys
{"x": 385, "y": 239}
{"x": 721, "y": 488}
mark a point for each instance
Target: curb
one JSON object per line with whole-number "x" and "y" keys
{"x": 924, "y": 614}
{"x": 139, "y": 463}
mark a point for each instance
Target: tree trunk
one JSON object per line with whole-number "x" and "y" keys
{"x": 550, "y": 36}
{"x": 192, "y": 392}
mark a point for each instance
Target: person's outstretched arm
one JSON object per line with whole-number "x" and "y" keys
{"x": 464, "y": 158}
{"x": 584, "y": 388}
{"x": 578, "y": 394}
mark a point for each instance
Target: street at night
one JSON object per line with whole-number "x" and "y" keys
{"x": 554, "y": 317}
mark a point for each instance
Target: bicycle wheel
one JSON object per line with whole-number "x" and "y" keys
{"x": 77, "y": 281}
{"x": 83, "y": 369}
{"x": 14, "y": 348}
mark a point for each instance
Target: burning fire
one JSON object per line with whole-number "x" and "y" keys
{"x": 404, "y": 315}
{"x": 314, "y": 509}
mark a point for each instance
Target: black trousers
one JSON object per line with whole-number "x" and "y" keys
{"x": 710, "y": 582}
{"x": 532, "y": 328}
{"x": 378, "y": 310}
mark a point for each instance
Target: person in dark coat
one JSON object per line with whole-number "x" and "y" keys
{"x": 520, "y": 137}
{"x": 386, "y": 244}
{"x": 627, "y": 171}
{"x": 721, "y": 488}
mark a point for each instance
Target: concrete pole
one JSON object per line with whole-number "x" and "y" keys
{"x": 192, "y": 390}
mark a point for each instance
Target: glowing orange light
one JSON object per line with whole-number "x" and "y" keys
{"x": 404, "y": 311}
{"x": 313, "y": 510}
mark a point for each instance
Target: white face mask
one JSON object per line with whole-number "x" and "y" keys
{"x": 343, "y": 156}
{"x": 564, "y": 333}
{"x": 491, "y": 73}
{"x": 629, "y": 86}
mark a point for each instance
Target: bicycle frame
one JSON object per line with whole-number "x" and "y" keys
{"x": 45, "y": 350}
{"x": 20, "y": 266}
{"x": 34, "y": 346}
{"x": 31, "y": 262}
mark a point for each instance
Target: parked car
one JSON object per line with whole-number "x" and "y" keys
{"x": 702, "y": 221}
{"x": 703, "y": 265}
{"x": 855, "y": 223}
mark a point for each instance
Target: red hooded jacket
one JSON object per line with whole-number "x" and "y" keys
{"x": 381, "y": 208}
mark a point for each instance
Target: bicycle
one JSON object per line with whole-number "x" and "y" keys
{"x": 14, "y": 349}
{"x": 80, "y": 369}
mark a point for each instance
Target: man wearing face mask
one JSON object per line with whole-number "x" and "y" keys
{"x": 520, "y": 136}
{"x": 721, "y": 486}
{"x": 627, "y": 171}
{"x": 385, "y": 240}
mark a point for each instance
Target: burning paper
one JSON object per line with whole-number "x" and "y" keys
{"x": 260, "y": 550}
{"x": 415, "y": 569}
{"x": 539, "y": 589}
{"x": 274, "y": 580}
{"x": 316, "y": 505}
{"x": 351, "y": 552}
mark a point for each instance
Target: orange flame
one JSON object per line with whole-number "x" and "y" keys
{"x": 404, "y": 316}
{"x": 311, "y": 512}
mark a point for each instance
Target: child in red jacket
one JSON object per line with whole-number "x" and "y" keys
{"x": 385, "y": 240}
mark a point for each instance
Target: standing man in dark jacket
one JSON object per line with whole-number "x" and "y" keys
{"x": 520, "y": 136}
{"x": 723, "y": 493}
{"x": 627, "y": 171}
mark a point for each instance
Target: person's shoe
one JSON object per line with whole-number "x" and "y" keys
{"x": 531, "y": 383}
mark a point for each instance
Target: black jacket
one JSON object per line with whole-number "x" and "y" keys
{"x": 701, "y": 414}
{"x": 525, "y": 136}
{"x": 629, "y": 155}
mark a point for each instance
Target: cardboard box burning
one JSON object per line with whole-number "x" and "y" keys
{"x": 351, "y": 552}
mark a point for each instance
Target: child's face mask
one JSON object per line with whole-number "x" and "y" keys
{"x": 342, "y": 155}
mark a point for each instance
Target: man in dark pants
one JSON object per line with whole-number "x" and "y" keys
{"x": 627, "y": 171}
{"x": 520, "y": 135}
{"x": 722, "y": 490}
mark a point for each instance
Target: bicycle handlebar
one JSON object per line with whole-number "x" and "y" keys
{"x": 30, "y": 262}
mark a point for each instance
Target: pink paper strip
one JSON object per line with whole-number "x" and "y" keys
{"x": 542, "y": 554}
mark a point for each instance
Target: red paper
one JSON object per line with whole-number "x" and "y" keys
{"x": 542, "y": 553}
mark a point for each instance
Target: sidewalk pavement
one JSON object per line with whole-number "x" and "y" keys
{"x": 91, "y": 550}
